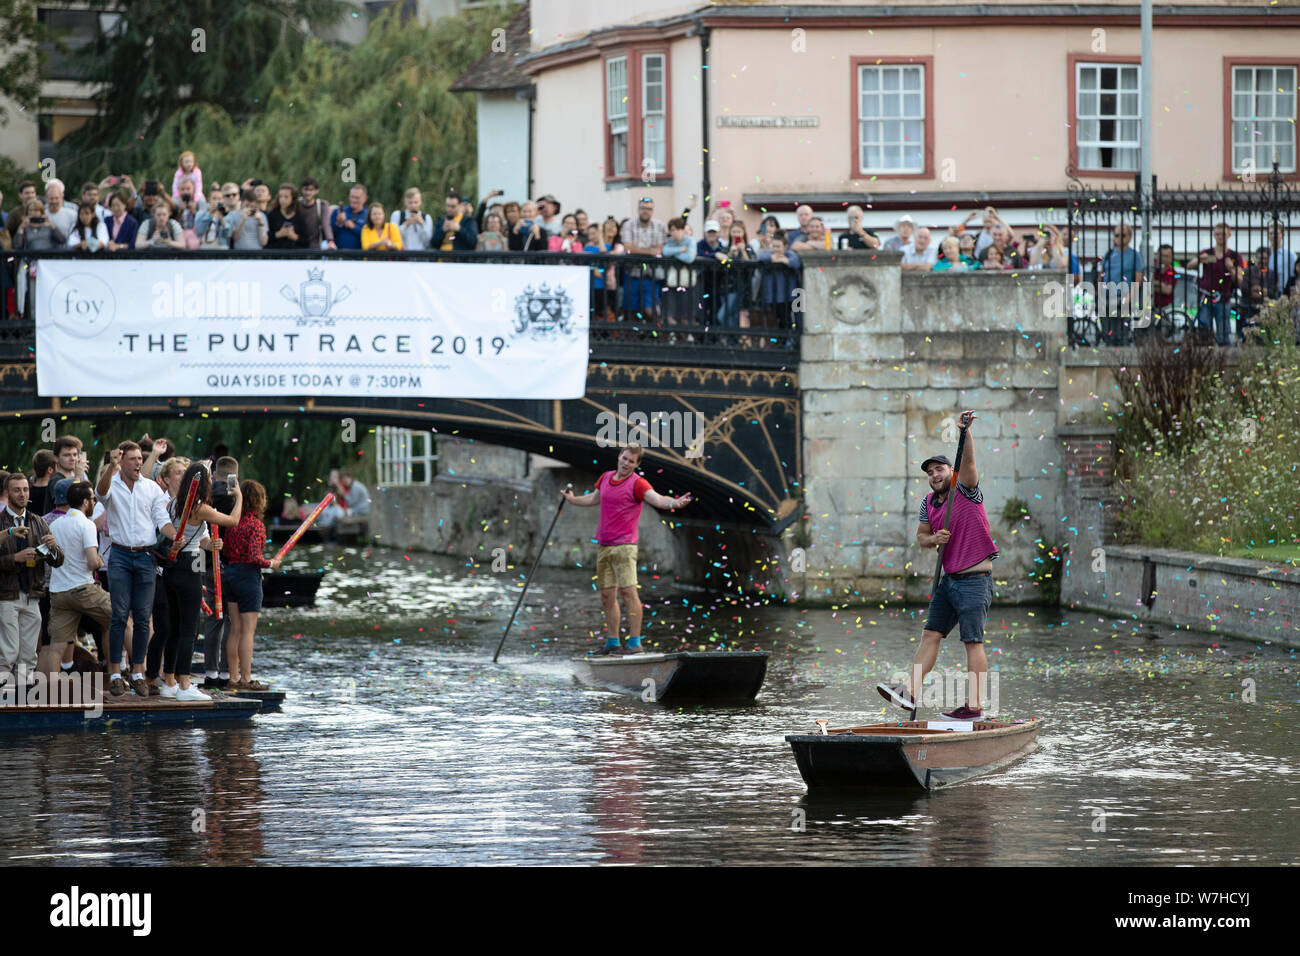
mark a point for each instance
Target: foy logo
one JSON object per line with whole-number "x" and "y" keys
{"x": 102, "y": 909}
{"x": 82, "y": 305}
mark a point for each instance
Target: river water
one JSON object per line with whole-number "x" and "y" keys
{"x": 402, "y": 743}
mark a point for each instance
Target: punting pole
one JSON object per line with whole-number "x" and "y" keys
{"x": 307, "y": 523}
{"x": 190, "y": 495}
{"x": 216, "y": 573}
{"x": 529, "y": 580}
{"x": 950, "y": 501}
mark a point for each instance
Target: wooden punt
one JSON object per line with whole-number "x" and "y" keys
{"x": 129, "y": 711}
{"x": 290, "y": 588}
{"x": 270, "y": 700}
{"x": 911, "y": 753}
{"x": 681, "y": 675}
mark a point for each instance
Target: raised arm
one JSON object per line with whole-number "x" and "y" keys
{"x": 968, "y": 475}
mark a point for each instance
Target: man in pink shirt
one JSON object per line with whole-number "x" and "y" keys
{"x": 966, "y": 589}
{"x": 620, "y": 495}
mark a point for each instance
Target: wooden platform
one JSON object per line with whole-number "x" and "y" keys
{"x": 911, "y": 753}
{"x": 128, "y": 711}
{"x": 704, "y": 676}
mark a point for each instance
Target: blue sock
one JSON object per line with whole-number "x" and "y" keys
{"x": 611, "y": 642}
{"x": 633, "y": 642}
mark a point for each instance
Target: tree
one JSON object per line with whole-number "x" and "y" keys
{"x": 21, "y": 56}
{"x": 153, "y": 62}
{"x": 379, "y": 114}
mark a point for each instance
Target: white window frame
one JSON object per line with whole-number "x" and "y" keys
{"x": 903, "y": 143}
{"x": 616, "y": 114}
{"x": 1244, "y": 127}
{"x": 659, "y": 117}
{"x": 1080, "y": 117}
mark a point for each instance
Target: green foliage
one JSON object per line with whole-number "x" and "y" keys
{"x": 1015, "y": 511}
{"x": 1228, "y": 479}
{"x": 160, "y": 59}
{"x": 20, "y": 56}
{"x": 384, "y": 105}
{"x": 289, "y": 457}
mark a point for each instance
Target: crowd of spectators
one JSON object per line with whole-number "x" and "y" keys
{"x": 86, "y": 568}
{"x": 720, "y": 277}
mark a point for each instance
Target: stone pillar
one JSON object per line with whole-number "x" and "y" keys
{"x": 1089, "y": 505}
{"x": 854, "y": 427}
{"x": 886, "y": 357}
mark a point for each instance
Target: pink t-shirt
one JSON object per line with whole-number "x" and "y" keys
{"x": 620, "y": 508}
{"x": 971, "y": 541}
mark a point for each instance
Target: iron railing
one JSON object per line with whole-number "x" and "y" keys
{"x": 1261, "y": 217}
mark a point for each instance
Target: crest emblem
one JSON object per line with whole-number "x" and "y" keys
{"x": 543, "y": 313}
{"x": 315, "y": 298}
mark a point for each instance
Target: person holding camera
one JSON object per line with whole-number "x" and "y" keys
{"x": 35, "y": 232}
{"x": 211, "y": 223}
{"x": 26, "y": 546}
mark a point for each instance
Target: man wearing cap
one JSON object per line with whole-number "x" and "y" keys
{"x": 966, "y": 589}
{"x": 902, "y": 234}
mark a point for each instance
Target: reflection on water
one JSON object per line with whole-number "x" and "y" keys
{"x": 402, "y": 743}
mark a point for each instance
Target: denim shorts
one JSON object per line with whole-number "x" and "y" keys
{"x": 965, "y": 602}
{"x": 242, "y": 583}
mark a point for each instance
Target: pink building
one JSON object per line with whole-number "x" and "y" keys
{"x": 918, "y": 106}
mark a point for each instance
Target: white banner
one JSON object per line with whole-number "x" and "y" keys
{"x": 270, "y": 327}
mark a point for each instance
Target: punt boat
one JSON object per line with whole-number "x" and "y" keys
{"x": 704, "y": 676}
{"x": 911, "y": 753}
{"x": 290, "y": 588}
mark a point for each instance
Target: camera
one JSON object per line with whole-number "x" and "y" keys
{"x": 42, "y": 550}
{"x": 221, "y": 208}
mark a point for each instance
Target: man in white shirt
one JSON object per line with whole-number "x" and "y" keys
{"x": 62, "y": 216}
{"x": 73, "y": 589}
{"x": 416, "y": 228}
{"x": 137, "y": 511}
{"x": 920, "y": 254}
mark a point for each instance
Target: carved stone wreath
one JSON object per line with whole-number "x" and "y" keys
{"x": 854, "y": 300}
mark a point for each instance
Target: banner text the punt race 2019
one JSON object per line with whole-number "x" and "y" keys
{"x": 241, "y": 327}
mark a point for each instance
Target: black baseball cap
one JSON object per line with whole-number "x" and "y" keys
{"x": 940, "y": 459}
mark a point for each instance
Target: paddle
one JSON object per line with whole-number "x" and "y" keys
{"x": 529, "y": 580}
{"x": 949, "y": 501}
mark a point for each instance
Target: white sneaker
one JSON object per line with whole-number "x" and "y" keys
{"x": 169, "y": 691}
{"x": 192, "y": 694}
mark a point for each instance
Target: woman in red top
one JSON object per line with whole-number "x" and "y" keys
{"x": 241, "y": 581}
